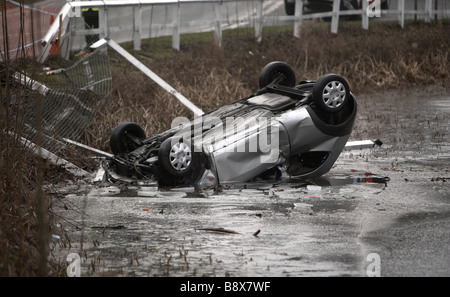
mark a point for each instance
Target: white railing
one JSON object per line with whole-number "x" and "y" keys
{"x": 258, "y": 13}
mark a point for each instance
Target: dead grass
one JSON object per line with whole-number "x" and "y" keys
{"x": 385, "y": 57}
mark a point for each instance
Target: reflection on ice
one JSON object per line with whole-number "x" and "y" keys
{"x": 281, "y": 187}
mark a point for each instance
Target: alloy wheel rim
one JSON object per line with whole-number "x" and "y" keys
{"x": 334, "y": 94}
{"x": 180, "y": 156}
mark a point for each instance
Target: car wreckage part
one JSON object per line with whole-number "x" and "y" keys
{"x": 149, "y": 73}
{"x": 126, "y": 137}
{"x": 277, "y": 72}
{"x": 331, "y": 92}
{"x": 175, "y": 156}
{"x": 178, "y": 163}
{"x": 313, "y": 121}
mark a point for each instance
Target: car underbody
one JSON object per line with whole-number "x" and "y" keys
{"x": 284, "y": 128}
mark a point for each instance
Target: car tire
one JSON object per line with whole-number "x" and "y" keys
{"x": 273, "y": 70}
{"x": 176, "y": 156}
{"x": 121, "y": 143}
{"x": 331, "y": 93}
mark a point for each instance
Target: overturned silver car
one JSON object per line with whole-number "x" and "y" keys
{"x": 284, "y": 128}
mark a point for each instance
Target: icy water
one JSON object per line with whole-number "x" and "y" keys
{"x": 321, "y": 227}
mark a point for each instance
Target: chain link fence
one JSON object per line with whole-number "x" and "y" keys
{"x": 69, "y": 100}
{"x": 59, "y": 97}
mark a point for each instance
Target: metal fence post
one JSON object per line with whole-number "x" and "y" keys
{"x": 197, "y": 111}
{"x": 428, "y": 10}
{"x": 103, "y": 21}
{"x": 176, "y": 27}
{"x": 259, "y": 21}
{"x": 401, "y": 13}
{"x": 218, "y": 11}
{"x": 46, "y": 42}
{"x": 335, "y": 16}
{"x": 365, "y": 15}
{"x": 298, "y": 17}
{"x": 137, "y": 27}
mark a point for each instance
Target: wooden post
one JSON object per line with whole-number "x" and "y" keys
{"x": 298, "y": 17}
{"x": 259, "y": 21}
{"x": 103, "y": 21}
{"x": 137, "y": 27}
{"x": 335, "y": 16}
{"x": 365, "y": 15}
{"x": 218, "y": 11}
{"x": 428, "y": 10}
{"x": 176, "y": 28}
{"x": 401, "y": 13}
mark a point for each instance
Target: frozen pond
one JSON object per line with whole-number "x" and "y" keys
{"x": 382, "y": 200}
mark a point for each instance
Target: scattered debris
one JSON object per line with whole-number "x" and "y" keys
{"x": 109, "y": 227}
{"x": 360, "y": 144}
{"x": 112, "y": 190}
{"x": 54, "y": 159}
{"x": 443, "y": 179}
{"x": 303, "y": 208}
{"x": 313, "y": 188}
{"x": 219, "y": 230}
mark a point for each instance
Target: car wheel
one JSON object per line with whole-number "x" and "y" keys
{"x": 125, "y": 138}
{"x": 277, "y": 70}
{"x": 175, "y": 156}
{"x": 331, "y": 92}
